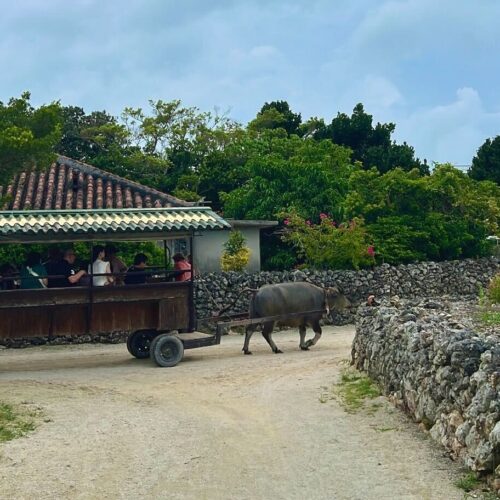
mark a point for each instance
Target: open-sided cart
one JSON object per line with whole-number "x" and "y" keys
{"x": 149, "y": 313}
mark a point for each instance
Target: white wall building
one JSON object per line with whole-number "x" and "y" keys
{"x": 209, "y": 245}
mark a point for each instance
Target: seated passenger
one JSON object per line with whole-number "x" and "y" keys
{"x": 118, "y": 268}
{"x": 136, "y": 274}
{"x": 7, "y": 273}
{"x": 99, "y": 266}
{"x": 181, "y": 264}
{"x": 63, "y": 268}
{"x": 32, "y": 272}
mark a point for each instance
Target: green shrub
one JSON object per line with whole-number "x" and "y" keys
{"x": 329, "y": 245}
{"x": 494, "y": 290}
{"x": 236, "y": 255}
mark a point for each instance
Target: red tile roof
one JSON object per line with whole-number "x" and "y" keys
{"x": 71, "y": 184}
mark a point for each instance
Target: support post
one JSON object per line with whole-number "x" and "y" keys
{"x": 192, "y": 310}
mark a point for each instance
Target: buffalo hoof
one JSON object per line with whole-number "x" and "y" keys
{"x": 309, "y": 343}
{"x": 278, "y": 351}
{"x": 247, "y": 352}
{"x": 304, "y": 347}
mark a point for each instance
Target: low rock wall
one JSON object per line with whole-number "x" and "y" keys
{"x": 442, "y": 368}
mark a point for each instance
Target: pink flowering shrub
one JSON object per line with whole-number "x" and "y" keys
{"x": 329, "y": 245}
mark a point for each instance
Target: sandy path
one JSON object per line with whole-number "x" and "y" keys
{"x": 220, "y": 425}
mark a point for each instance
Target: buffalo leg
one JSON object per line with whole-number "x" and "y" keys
{"x": 317, "y": 330}
{"x": 302, "y": 333}
{"x": 248, "y": 335}
{"x": 266, "y": 333}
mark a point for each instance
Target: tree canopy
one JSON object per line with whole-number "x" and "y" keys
{"x": 347, "y": 169}
{"x": 370, "y": 145}
{"x": 486, "y": 163}
{"x": 28, "y": 135}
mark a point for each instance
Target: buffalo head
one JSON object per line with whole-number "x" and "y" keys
{"x": 336, "y": 300}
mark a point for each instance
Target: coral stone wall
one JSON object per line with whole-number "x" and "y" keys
{"x": 442, "y": 368}
{"x": 425, "y": 279}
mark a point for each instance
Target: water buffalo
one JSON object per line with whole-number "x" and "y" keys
{"x": 286, "y": 298}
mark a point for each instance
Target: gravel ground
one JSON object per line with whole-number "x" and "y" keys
{"x": 220, "y": 425}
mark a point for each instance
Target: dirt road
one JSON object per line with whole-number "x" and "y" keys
{"x": 220, "y": 425}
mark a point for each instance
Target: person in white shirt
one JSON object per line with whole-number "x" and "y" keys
{"x": 100, "y": 266}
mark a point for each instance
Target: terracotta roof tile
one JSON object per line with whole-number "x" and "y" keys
{"x": 28, "y": 201}
{"x": 119, "y": 197}
{"x": 69, "y": 184}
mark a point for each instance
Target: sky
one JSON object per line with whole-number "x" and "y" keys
{"x": 430, "y": 66}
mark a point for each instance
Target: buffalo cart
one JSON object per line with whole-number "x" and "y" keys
{"x": 159, "y": 316}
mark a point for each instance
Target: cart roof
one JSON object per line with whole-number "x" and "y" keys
{"x": 47, "y": 226}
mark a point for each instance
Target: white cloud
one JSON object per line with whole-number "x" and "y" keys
{"x": 401, "y": 58}
{"x": 451, "y": 132}
{"x": 409, "y": 28}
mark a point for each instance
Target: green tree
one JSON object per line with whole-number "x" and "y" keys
{"x": 78, "y": 128}
{"x": 371, "y": 145}
{"x": 179, "y": 137}
{"x": 236, "y": 254}
{"x": 28, "y": 135}
{"x": 288, "y": 172}
{"x": 486, "y": 163}
{"x": 276, "y": 114}
{"x": 101, "y": 140}
{"x": 445, "y": 215}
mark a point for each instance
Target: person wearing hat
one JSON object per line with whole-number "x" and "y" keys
{"x": 118, "y": 268}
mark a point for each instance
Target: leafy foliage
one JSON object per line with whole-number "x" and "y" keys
{"x": 410, "y": 217}
{"x": 494, "y": 290}
{"x": 486, "y": 164}
{"x": 372, "y": 146}
{"x": 277, "y": 114}
{"x": 329, "y": 245}
{"x": 28, "y": 135}
{"x": 290, "y": 173}
{"x": 236, "y": 255}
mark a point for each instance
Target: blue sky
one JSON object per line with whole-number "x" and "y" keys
{"x": 430, "y": 66}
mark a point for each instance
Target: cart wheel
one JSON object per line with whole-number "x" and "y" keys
{"x": 166, "y": 350}
{"x": 138, "y": 343}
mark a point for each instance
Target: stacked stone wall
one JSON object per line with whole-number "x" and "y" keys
{"x": 438, "y": 363}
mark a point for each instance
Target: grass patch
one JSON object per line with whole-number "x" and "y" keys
{"x": 489, "y": 307}
{"x": 469, "y": 482}
{"x": 354, "y": 389}
{"x": 489, "y": 317}
{"x": 15, "y": 423}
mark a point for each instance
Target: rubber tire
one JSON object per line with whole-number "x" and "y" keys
{"x": 166, "y": 350}
{"x": 139, "y": 343}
